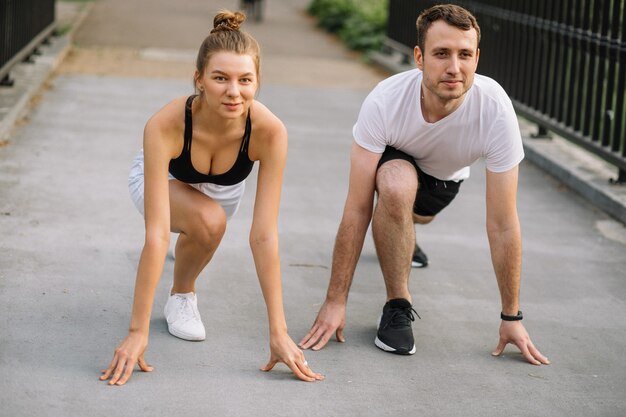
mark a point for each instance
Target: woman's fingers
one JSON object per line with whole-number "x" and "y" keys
{"x": 270, "y": 365}
{"x": 107, "y": 372}
{"x": 298, "y": 368}
{"x": 144, "y": 366}
{"x": 306, "y": 369}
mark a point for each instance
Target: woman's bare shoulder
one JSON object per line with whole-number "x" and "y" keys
{"x": 165, "y": 129}
{"x": 169, "y": 118}
{"x": 265, "y": 123}
{"x": 169, "y": 121}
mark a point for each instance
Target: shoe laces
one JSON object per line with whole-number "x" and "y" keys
{"x": 401, "y": 317}
{"x": 186, "y": 309}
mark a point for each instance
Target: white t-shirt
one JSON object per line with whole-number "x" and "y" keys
{"x": 484, "y": 125}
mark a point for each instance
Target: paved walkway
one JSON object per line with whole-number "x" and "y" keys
{"x": 70, "y": 240}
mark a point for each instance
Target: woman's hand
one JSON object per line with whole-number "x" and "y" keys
{"x": 127, "y": 354}
{"x": 283, "y": 349}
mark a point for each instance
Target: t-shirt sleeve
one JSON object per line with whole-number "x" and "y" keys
{"x": 369, "y": 130}
{"x": 505, "y": 149}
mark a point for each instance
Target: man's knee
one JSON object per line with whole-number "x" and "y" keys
{"x": 396, "y": 184}
{"x": 422, "y": 219}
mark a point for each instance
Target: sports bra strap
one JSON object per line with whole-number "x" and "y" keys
{"x": 188, "y": 123}
{"x": 246, "y": 136}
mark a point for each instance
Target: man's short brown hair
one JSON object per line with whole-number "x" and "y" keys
{"x": 452, "y": 14}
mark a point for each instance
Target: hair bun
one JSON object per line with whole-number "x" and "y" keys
{"x": 227, "y": 20}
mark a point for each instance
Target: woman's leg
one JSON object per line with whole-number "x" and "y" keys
{"x": 201, "y": 223}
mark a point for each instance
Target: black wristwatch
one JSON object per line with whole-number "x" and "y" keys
{"x": 518, "y": 317}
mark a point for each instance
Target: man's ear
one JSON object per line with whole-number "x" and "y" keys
{"x": 418, "y": 57}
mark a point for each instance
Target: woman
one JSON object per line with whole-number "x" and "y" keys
{"x": 189, "y": 178}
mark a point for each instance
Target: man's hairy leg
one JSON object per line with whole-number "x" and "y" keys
{"x": 392, "y": 225}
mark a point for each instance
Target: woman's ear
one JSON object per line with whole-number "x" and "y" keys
{"x": 197, "y": 80}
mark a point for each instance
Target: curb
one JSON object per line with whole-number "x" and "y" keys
{"x": 30, "y": 77}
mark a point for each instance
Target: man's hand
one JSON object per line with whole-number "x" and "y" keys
{"x": 514, "y": 332}
{"x": 331, "y": 319}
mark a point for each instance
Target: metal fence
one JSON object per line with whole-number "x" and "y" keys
{"x": 563, "y": 63}
{"x": 24, "y": 25}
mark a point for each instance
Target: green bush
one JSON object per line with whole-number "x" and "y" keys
{"x": 361, "y": 24}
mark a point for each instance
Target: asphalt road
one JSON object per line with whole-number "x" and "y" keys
{"x": 70, "y": 239}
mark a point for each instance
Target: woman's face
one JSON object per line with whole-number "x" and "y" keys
{"x": 229, "y": 83}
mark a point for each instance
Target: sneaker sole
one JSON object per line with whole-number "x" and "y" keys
{"x": 184, "y": 336}
{"x": 418, "y": 265}
{"x": 387, "y": 348}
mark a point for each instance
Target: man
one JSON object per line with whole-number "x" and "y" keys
{"x": 416, "y": 136}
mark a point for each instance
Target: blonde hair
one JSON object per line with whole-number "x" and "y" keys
{"x": 226, "y": 36}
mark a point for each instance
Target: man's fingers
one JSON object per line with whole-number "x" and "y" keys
{"x": 319, "y": 333}
{"x": 339, "y": 334}
{"x": 499, "y": 348}
{"x": 526, "y": 353}
{"x": 322, "y": 342}
{"x": 307, "y": 340}
{"x": 537, "y": 355}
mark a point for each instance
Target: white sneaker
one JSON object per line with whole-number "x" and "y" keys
{"x": 183, "y": 317}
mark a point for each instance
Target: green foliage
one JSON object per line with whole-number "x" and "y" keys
{"x": 361, "y": 24}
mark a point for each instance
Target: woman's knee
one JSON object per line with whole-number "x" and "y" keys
{"x": 209, "y": 226}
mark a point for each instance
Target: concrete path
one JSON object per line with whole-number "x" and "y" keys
{"x": 70, "y": 239}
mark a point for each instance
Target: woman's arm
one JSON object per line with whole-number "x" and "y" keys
{"x": 271, "y": 151}
{"x": 157, "y": 221}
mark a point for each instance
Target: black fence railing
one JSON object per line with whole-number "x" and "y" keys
{"x": 24, "y": 25}
{"x": 563, "y": 63}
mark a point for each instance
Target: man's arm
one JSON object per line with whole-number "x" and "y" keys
{"x": 357, "y": 214}
{"x": 503, "y": 230}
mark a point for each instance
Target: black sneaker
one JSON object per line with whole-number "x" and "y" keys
{"x": 419, "y": 260}
{"x": 394, "y": 327}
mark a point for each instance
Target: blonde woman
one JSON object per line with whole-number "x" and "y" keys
{"x": 189, "y": 179}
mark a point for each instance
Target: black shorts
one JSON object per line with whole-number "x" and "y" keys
{"x": 433, "y": 194}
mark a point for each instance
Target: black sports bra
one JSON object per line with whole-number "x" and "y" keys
{"x": 182, "y": 168}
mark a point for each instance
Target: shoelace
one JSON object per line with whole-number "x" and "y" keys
{"x": 401, "y": 317}
{"x": 185, "y": 308}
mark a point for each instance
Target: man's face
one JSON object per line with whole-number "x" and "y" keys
{"x": 449, "y": 61}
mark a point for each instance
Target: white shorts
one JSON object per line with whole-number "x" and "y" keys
{"x": 227, "y": 196}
